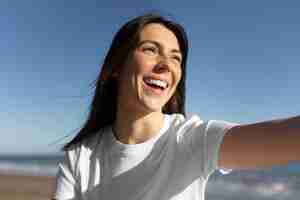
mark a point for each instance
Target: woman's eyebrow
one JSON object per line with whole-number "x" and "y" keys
{"x": 158, "y": 44}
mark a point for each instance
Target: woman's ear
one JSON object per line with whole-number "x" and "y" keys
{"x": 115, "y": 72}
{"x": 106, "y": 73}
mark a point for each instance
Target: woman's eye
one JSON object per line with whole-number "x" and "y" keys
{"x": 177, "y": 58}
{"x": 150, "y": 49}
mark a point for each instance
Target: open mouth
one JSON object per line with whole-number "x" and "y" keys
{"x": 156, "y": 84}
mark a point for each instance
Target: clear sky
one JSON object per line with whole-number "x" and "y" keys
{"x": 243, "y": 64}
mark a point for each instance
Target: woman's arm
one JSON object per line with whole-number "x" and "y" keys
{"x": 261, "y": 144}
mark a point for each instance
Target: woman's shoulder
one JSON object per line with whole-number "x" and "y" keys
{"x": 186, "y": 120}
{"x": 87, "y": 146}
{"x": 195, "y": 120}
{"x": 193, "y": 123}
{"x": 182, "y": 124}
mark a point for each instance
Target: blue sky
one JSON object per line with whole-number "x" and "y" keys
{"x": 243, "y": 64}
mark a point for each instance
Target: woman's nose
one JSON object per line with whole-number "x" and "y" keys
{"x": 163, "y": 65}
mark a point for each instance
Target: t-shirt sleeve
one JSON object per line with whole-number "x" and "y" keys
{"x": 214, "y": 134}
{"x": 66, "y": 186}
{"x": 202, "y": 141}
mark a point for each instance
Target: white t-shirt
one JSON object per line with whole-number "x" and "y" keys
{"x": 173, "y": 165}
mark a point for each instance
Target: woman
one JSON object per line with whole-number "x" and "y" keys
{"x": 137, "y": 142}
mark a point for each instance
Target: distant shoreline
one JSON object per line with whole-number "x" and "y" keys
{"x": 36, "y": 165}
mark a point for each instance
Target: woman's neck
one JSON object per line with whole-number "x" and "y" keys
{"x": 134, "y": 129}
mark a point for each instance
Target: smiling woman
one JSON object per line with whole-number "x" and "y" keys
{"x": 150, "y": 75}
{"x": 137, "y": 142}
{"x": 139, "y": 56}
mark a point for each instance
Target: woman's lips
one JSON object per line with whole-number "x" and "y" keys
{"x": 164, "y": 80}
{"x": 154, "y": 89}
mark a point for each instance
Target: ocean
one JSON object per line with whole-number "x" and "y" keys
{"x": 277, "y": 183}
{"x": 280, "y": 183}
{"x": 35, "y": 165}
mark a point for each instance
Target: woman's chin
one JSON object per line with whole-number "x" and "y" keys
{"x": 150, "y": 103}
{"x": 153, "y": 106}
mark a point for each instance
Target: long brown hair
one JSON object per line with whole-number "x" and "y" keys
{"x": 103, "y": 107}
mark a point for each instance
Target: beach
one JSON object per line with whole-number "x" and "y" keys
{"x": 25, "y": 187}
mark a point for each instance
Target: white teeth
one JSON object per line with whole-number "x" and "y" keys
{"x": 159, "y": 83}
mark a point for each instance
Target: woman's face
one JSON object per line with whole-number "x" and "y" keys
{"x": 151, "y": 72}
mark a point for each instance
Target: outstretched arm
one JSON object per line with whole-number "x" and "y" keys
{"x": 262, "y": 144}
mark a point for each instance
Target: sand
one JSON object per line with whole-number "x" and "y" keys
{"x": 20, "y": 187}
